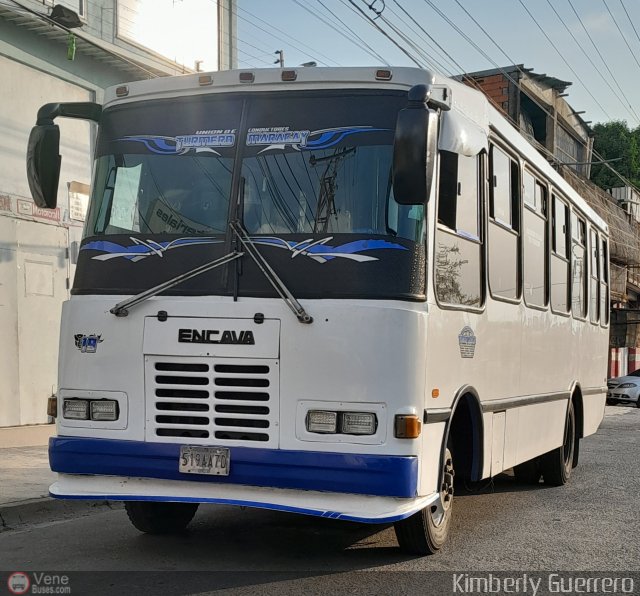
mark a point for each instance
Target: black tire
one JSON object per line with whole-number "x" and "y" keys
{"x": 576, "y": 452}
{"x": 638, "y": 403}
{"x": 556, "y": 465}
{"x": 528, "y": 472}
{"x": 612, "y": 402}
{"x": 425, "y": 532}
{"x": 155, "y": 517}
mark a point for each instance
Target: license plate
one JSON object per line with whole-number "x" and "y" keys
{"x": 204, "y": 460}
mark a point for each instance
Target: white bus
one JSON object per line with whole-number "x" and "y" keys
{"x": 322, "y": 291}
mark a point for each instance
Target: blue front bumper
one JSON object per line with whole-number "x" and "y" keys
{"x": 389, "y": 476}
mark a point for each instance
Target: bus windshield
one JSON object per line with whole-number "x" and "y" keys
{"x": 316, "y": 164}
{"x": 306, "y": 177}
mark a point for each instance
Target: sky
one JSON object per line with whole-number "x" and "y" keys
{"x": 595, "y": 44}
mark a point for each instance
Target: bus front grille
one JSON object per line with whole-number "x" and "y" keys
{"x": 217, "y": 401}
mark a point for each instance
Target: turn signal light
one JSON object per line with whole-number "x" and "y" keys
{"x": 122, "y": 91}
{"x": 247, "y": 77}
{"x": 52, "y": 406}
{"x": 407, "y": 427}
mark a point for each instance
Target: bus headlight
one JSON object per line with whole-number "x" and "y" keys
{"x": 344, "y": 423}
{"x": 75, "y": 409}
{"x": 321, "y": 421}
{"x": 358, "y": 423}
{"x": 104, "y": 409}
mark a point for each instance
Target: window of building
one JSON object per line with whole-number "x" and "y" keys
{"x": 504, "y": 225}
{"x": 578, "y": 267}
{"x": 594, "y": 279}
{"x": 534, "y": 238}
{"x": 458, "y": 259}
{"x": 559, "y": 256}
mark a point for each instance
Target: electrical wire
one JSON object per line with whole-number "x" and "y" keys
{"x": 590, "y": 60}
{"x": 350, "y": 30}
{"x": 553, "y": 45}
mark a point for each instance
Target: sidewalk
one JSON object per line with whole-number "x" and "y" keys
{"x": 25, "y": 478}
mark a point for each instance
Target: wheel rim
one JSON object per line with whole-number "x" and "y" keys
{"x": 445, "y": 499}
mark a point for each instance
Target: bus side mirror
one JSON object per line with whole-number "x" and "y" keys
{"x": 43, "y": 164}
{"x": 414, "y": 149}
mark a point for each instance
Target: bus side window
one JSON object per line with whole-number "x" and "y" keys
{"x": 604, "y": 282}
{"x": 594, "y": 286}
{"x": 578, "y": 267}
{"x": 559, "y": 256}
{"x": 504, "y": 226}
{"x": 458, "y": 259}
{"x": 534, "y": 232}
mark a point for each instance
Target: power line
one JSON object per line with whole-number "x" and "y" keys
{"x": 289, "y": 39}
{"x": 601, "y": 58}
{"x": 350, "y": 30}
{"x": 426, "y": 35}
{"x": 630, "y": 21}
{"x": 381, "y": 30}
{"x": 332, "y": 26}
{"x": 589, "y": 58}
{"x": 553, "y": 45}
{"x": 621, "y": 33}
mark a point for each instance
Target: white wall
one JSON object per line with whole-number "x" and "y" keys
{"x": 34, "y": 267}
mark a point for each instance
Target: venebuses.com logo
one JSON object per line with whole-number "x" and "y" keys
{"x": 20, "y": 582}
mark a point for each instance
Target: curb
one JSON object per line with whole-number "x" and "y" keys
{"x": 46, "y": 509}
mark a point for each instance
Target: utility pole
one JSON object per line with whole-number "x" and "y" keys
{"x": 280, "y": 59}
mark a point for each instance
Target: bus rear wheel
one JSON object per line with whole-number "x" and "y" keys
{"x": 157, "y": 517}
{"x": 425, "y": 532}
{"x": 556, "y": 465}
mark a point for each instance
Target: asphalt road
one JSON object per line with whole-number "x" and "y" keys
{"x": 591, "y": 524}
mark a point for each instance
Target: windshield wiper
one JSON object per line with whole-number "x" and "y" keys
{"x": 122, "y": 308}
{"x": 270, "y": 274}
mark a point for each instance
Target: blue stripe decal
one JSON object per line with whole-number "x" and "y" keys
{"x": 390, "y": 476}
{"x": 254, "y": 504}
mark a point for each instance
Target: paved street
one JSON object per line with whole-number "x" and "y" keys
{"x": 591, "y": 524}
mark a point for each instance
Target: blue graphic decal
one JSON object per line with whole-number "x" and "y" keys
{"x": 326, "y": 138}
{"x": 183, "y": 144}
{"x": 141, "y": 249}
{"x": 332, "y": 136}
{"x": 318, "y": 250}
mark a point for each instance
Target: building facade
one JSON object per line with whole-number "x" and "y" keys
{"x": 49, "y": 54}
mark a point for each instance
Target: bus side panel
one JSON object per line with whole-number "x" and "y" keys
{"x": 593, "y": 409}
{"x": 540, "y": 429}
{"x": 432, "y": 439}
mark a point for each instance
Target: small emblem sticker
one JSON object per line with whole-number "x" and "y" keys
{"x": 87, "y": 344}
{"x": 467, "y": 342}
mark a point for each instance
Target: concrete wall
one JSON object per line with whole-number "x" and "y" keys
{"x": 34, "y": 268}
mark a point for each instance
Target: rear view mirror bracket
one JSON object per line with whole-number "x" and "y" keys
{"x": 43, "y": 150}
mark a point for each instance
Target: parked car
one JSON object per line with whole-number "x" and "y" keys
{"x": 624, "y": 390}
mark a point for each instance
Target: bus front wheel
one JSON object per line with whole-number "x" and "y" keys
{"x": 425, "y": 532}
{"x": 156, "y": 517}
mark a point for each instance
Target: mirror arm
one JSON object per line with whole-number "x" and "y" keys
{"x": 83, "y": 110}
